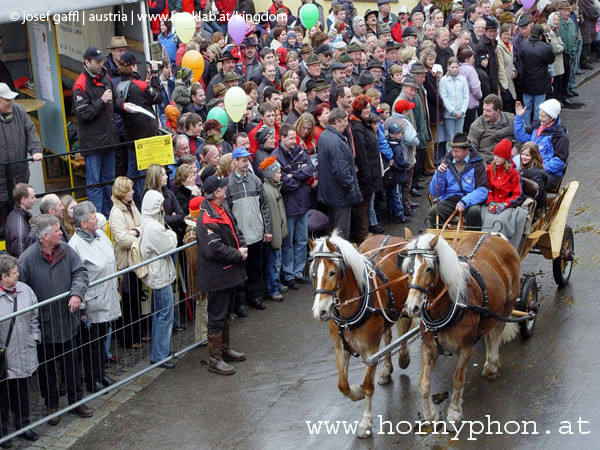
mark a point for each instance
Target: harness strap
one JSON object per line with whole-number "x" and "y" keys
{"x": 345, "y": 342}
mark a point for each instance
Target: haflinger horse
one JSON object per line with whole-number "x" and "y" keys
{"x": 345, "y": 280}
{"x": 456, "y": 298}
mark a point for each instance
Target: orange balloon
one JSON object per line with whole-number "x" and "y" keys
{"x": 193, "y": 60}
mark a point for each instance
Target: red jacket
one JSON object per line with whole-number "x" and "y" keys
{"x": 154, "y": 8}
{"x": 397, "y": 32}
{"x": 252, "y": 136}
{"x": 187, "y": 6}
{"x": 505, "y": 187}
{"x": 225, "y": 7}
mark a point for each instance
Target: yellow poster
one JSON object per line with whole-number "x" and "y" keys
{"x": 154, "y": 150}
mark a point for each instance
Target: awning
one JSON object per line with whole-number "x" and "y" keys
{"x": 16, "y": 10}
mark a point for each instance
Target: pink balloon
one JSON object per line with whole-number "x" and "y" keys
{"x": 528, "y": 3}
{"x": 237, "y": 28}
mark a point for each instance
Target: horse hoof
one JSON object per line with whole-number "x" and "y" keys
{"x": 382, "y": 381}
{"x": 488, "y": 375}
{"x": 433, "y": 417}
{"x": 364, "y": 433}
{"x": 404, "y": 361}
{"x": 454, "y": 416}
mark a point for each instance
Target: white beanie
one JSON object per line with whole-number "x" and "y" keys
{"x": 551, "y": 107}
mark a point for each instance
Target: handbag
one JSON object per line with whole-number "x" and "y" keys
{"x": 3, "y": 360}
{"x": 135, "y": 257}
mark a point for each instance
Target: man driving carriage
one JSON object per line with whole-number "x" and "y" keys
{"x": 459, "y": 183}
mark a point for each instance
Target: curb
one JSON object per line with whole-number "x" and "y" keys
{"x": 588, "y": 75}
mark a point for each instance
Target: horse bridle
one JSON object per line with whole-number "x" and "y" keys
{"x": 339, "y": 263}
{"x": 426, "y": 253}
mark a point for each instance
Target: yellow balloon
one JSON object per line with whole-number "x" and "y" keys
{"x": 185, "y": 26}
{"x": 194, "y": 60}
{"x": 236, "y": 103}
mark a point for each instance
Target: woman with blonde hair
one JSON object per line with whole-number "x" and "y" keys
{"x": 531, "y": 167}
{"x": 125, "y": 220}
{"x": 225, "y": 166}
{"x": 305, "y": 133}
{"x": 185, "y": 186}
{"x": 156, "y": 180}
{"x": 68, "y": 222}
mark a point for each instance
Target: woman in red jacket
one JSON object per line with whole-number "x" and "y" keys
{"x": 504, "y": 195}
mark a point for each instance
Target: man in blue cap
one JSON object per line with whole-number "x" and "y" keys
{"x": 249, "y": 205}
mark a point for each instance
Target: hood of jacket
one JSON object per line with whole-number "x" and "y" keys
{"x": 151, "y": 205}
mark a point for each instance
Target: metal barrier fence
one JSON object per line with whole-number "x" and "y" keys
{"x": 111, "y": 352}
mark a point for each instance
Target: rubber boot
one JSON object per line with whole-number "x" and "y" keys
{"x": 216, "y": 363}
{"x": 227, "y": 352}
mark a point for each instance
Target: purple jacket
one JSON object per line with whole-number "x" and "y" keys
{"x": 295, "y": 189}
{"x": 469, "y": 72}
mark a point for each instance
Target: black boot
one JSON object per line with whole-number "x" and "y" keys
{"x": 216, "y": 363}
{"x": 226, "y": 351}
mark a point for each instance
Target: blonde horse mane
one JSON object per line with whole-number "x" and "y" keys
{"x": 351, "y": 256}
{"x": 452, "y": 270}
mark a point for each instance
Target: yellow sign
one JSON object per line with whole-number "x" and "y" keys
{"x": 154, "y": 150}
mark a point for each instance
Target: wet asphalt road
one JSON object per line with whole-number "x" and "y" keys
{"x": 290, "y": 376}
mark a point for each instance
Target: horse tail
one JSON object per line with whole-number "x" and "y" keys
{"x": 510, "y": 331}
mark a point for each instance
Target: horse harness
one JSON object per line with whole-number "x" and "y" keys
{"x": 366, "y": 308}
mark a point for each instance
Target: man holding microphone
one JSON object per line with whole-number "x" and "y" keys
{"x": 94, "y": 110}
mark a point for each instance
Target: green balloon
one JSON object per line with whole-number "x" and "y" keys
{"x": 220, "y": 115}
{"x": 309, "y": 14}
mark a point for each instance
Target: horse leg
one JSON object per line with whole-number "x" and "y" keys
{"x": 385, "y": 377}
{"x": 458, "y": 380}
{"x": 429, "y": 356}
{"x": 366, "y": 424}
{"x": 492, "y": 346}
{"x": 342, "y": 358}
{"x": 403, "y": 325}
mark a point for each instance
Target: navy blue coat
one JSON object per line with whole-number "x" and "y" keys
{"x": 338, "y": 185}
{"x": 295, "y": 189}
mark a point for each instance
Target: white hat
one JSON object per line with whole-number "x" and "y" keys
{"x": 6, "y": 93}
{"x": 551, "y": 107}
{"x": 339, "y": 45}
{"x": 101, "y": 219}
{"x": 402, "y": 10}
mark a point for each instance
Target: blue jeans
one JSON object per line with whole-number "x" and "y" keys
{"x": 372, "y": 214}
{"x": 272, "y": 269}
{"x": 100, "y": 168}
{"x": 138, "y": 185}
{"x": 107, "y": 352}
{"x": 452, "y": 127}
{"x": 394, "y": 201}
{"x": 532, "y": 102}
{"x": 162, "y": 323}
{"x": 293, "y": 248}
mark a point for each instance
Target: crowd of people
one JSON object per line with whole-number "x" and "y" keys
{"x": 344, "y": 124}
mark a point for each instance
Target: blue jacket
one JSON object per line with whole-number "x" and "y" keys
{"x": 471, "y": 185}
{"x": 400, "y": 163}
{"x": 553, "y": 144}
{"x": 295, "y": 189}
{"x": 338, "y": 185}
{"x": 168, "y": 42}
{"x": 384, "y": 147}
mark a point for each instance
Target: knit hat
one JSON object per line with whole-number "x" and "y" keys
{"x": 101, "y": 219}
{"x": 282, "y": 54}
{"x": 291, "y": 34}
{"x": 263, "y": 134}
{"x": 270, "y": 167}
{"x": 551, "y": 107}
{"x": 185, "y": 74}
{"x": 195, "y": 206}
{"x": 504, "y": 149}
{"x": 403, "y": 105}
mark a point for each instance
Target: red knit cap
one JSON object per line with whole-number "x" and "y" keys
{"x": 195, "y": 206}
{"x": 403, "y": 105}
{"x": 504, "y": 149}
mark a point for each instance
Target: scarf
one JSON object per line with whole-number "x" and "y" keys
{"x": 541, "y": 129}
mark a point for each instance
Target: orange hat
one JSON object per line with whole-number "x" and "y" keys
{"x": 403, "y": 105}
{"x": 172, "y": 113}
{"x": 195, "y": 206}
{"x": 504, "y": 149}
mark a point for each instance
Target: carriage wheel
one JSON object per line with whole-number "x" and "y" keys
{"x": 528, "y": 301}
{"x": 562, "y": 266}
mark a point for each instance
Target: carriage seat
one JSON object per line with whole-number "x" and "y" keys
{"x": 556, "y": 190}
